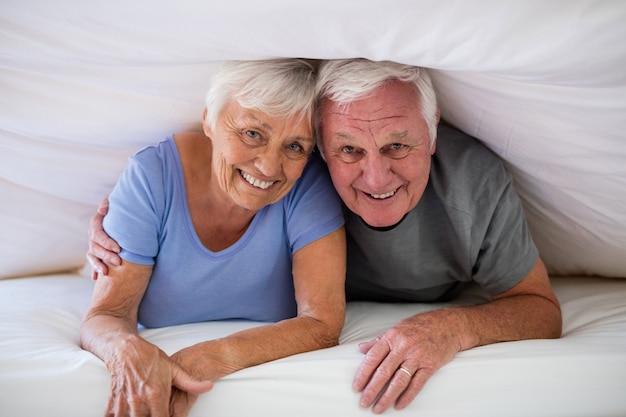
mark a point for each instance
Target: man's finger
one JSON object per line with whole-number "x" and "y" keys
{"x": 373, "y": 358}
{"x": 417, "y": 383}
{"x": 103, "y": 207}
{"x": 384, "y": 381}
{"x": 96, "y": 266}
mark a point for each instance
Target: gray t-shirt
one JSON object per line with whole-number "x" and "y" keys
{"x": 468, "y": 226}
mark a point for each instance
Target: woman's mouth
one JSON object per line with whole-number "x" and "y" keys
{"x": 255, "y": 181}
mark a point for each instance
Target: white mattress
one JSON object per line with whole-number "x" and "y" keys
{"x": 43, "y": 371}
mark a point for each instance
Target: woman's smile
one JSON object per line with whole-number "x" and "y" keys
{"x": 255, "y": 181}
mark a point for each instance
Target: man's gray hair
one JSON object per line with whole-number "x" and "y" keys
{"x": 277, "y": 87}
{"x": 346, "y": 80}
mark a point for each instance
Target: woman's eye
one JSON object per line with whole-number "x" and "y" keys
{"x": 296, "y": 151}
{"x": 253, "y": 134}
{"x": 295, "y": 147}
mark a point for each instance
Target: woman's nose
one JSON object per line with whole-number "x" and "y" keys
{"x": 268, "y": 162}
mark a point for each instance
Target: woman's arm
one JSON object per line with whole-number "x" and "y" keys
{"x": 142, "y": 375}
{"x": 319, "y": 274}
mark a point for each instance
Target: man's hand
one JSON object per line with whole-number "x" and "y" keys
{"x": 142, "y": 378}
{"x": 413, "y": 350}
{"x": 398, "y": 363}
{"x": 102, "y": 249}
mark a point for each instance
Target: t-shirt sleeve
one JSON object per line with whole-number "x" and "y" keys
{"x": 313, "y": 208}
{"x": 132, "y": 219}
{"x": 507, "y": 252}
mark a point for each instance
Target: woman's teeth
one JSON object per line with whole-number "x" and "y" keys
{"x": 256, "y": 182}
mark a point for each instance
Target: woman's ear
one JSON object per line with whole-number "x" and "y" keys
{"x": 206, "y": 128}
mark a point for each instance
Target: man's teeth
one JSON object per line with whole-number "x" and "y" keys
{"x": 382, "y": 196}
{"x": 256, "y": 182}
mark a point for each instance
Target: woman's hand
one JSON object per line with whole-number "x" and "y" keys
{"x": 143, "y": 378}
{"x": 142, "y": 375}
{"x": 202, "y": 361}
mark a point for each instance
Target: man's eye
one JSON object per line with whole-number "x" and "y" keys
{"x": 396, "y": 150}
{"x": 350, "y": 154}
{"x": 348, "y": 149}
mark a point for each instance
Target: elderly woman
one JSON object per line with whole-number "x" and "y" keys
{"x": 230, "y": 223}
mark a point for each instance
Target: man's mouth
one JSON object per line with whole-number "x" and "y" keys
{"x": 255, "y": 181}
{"x": 383, "y": 196}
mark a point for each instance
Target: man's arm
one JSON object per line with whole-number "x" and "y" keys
{"x": 425, "y": 342}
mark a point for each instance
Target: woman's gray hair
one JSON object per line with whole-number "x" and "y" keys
{"x": 346, "y": 80}
{"x": 278, "y": 87}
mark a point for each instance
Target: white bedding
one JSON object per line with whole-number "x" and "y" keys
{"x": 84, "y": 84}
{"x": 45, "y": 373}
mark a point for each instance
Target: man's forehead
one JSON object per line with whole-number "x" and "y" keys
{"x": 357, "y": 113}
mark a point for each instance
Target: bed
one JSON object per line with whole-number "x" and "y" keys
{"x": 83, "y": 85}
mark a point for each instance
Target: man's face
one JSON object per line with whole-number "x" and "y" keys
{"x": 378, "y": 154}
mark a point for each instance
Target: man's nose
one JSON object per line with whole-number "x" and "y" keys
{"x": 376, "y": 171}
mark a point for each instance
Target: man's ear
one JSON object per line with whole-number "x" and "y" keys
{"x": 205, "y": 125}
{"x": 433, "y": 147}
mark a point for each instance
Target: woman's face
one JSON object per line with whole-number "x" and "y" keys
{"x": 257, "y": 158}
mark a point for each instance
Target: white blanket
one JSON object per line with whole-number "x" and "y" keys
{"x": 86, "y": 83}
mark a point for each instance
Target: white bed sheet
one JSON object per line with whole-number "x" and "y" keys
{"x": 44, "y": 372}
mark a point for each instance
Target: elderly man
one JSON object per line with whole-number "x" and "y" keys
{"x": 428, "y": 210}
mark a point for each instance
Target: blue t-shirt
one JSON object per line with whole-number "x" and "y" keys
{"x": 252, "y": 279}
